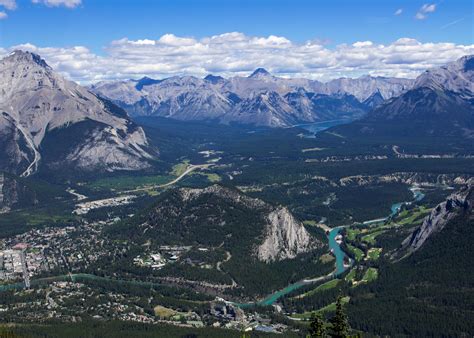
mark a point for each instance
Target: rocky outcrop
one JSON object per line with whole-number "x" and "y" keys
{"x": 223, "y": 193}
{"x": 285, "y": 237}
{"x": 407, "y": 178}
{"x": 457, "y": 203}
{"x": 270, "y": 233}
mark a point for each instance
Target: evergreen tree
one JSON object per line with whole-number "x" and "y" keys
{"x": 316, "y": 328}
{"x": 340, "y": 325}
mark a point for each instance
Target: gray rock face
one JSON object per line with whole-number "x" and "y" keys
{"x": 442, "y": 101}
{"x": 34, "y": 101}
{"x": 285, "y": 237}
{"x": 410, "y": 178}
{"x": 260, "y": 99}
{"x": 224, "y": 193}
{"x": 366, "y": 86}
{"x": 462, "y": 201}
{"x": 8, "y": 193}
{"x": 457, "y": 76}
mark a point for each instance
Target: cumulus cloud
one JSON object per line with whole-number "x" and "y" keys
{"x": 59, "y": 3}
{"x": 424, "y": 11}
{"x": 235, "y": 53}
{"x": 3, "y": 15}
{"x": 398, "y": 11}
{"x": 8, "y": 4}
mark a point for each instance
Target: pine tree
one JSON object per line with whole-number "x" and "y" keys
{"x": 340, "y": 325}
{"x": 316, "y": 328}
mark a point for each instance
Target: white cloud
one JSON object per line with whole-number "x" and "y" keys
{"x": 362, "y": 44}
{"x": 8, "y": 4}
{"x": 59, "y": 3}
{"x": 3, "y": 15}
{"x": 235, "y": 53}
{"x": 398, "y": 11}
{"x": 424, "y": 11}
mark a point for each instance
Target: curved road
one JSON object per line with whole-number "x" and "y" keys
{"x": 189, "y": 169}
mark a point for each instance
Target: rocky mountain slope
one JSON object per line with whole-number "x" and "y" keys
{"x": 259, "y": 99}
{"x": 222, "y": 217}
{"x": 459, "y": 203}
{"x": 40, "y": 110}
{"x": 441, "y": 93}
{"x": 441, "y": 103}
{"x": 234, "y": 243}
{"x": 21, "y": 193}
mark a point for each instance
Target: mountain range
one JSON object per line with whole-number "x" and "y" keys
{"x": 440, "y": 103}
{"x": 48, "y": 120}
{"x": 259, "y": 99}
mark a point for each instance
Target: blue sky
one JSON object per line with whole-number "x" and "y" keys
{"x": 77, "y": 35}
{"x": 94, "y": 23}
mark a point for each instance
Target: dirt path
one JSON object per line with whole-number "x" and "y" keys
{"x": 218, "y": 266}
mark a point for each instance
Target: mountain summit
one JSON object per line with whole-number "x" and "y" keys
{"x": 259, "y": 72}
{"x": 439, "y": 104}
{"x": 41, "y": 111}
{"x": 457, "y": 76}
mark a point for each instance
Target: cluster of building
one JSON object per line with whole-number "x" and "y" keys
{"x": 68, "y": 249}
{"x": 164, "y": 255}
{"x": 85, "y": 207}
{"x": 13, "y": 265}
{"x": 230, "y": 316}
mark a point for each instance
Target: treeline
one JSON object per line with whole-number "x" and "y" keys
{"x": 117, "y": 329}
{"x": 429, "y": 293}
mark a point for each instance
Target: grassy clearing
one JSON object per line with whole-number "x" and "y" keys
{"x": 370, "y": 238}
{"x": 164, "y": 312}
{"x": 127, "y": 182}
{"x": 351, "y": 276}
{"x": 374, "y": 253}
{"x": 326, "y": 258}
{"x": 358, "y": 253}
{"x": 370, "y": 275}
{"x": 415, "y": 217}
{"x": 311, "y": 223}
{"x": 211, "y": 177}
{"x": 325, "y": 286}
{"x": 332, "y": 307}
{"x": 352, "y": 234}
{"x": 180, "y": 168}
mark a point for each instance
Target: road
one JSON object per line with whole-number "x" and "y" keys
{"x": 26, "y": 276}
{"x": 219, "y": 266}
{"x": 190, "y": 169}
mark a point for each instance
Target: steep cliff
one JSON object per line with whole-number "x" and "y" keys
{"x": 461, "y": 202}
{"x": 285, "y": 237}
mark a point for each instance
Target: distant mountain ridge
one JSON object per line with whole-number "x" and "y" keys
{"x": 259, "y": 99}
{"x": 441, "y": 103}
{"x": 41, "y": 111}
